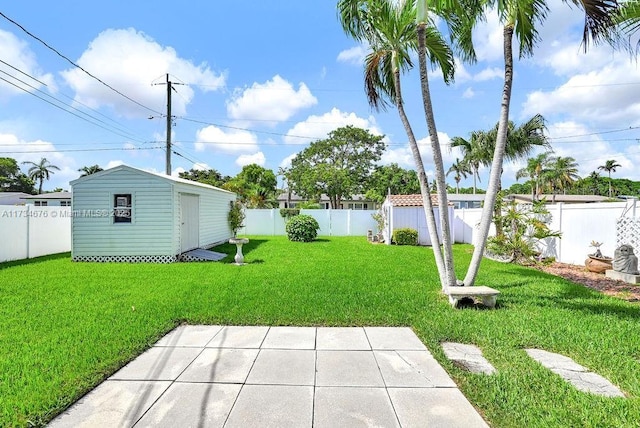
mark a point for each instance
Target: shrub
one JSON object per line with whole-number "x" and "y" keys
{"x": 302, "y": 228}
{"x": 405, "y": 236}
{"x": 236, "y": 217}
{"x": 287, "y": 213}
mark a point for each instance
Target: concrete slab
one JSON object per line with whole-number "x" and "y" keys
{"x": 621, "y": 276}
{"x": 239, "y": 337}
{"x": 192, "y": 405}
{"x": 220, "y": 365}
{"x": 268, "y": 406}
{"x": 158, "y": 363}
{"x": 412, "y": 369}
{"x": 353, "y": 407}
{"x": 190, "y": 335}
{"x": 434, "y": 408}
{"x": 284, "y": 367}
{"x": 580, "y": 377}
{"x": 336, "y": 368}
{"x": 468, "y": 357}
{"x": 290, "y": 338}
{"x": 393, "y": 338}
{"x": 112, "y": 404}
{"x": 342, "y": 339}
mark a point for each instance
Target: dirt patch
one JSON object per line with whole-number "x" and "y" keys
{"x": 580, "y": 275}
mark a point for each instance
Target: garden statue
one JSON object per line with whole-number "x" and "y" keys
{"x": 624, "y": 260}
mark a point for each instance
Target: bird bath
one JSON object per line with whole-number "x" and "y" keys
{"x": 239, "y": 242}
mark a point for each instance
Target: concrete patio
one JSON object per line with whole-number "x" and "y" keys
{"x": 216, "y": 376}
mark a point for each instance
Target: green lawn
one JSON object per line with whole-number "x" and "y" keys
{"x": 66, "y": 326}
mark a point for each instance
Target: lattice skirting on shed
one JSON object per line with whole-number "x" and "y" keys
{"x": 628, "y": 232}
{"x": 126, "y": 259}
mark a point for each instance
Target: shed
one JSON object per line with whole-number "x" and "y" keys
{"x": 402, "y": 211}
{"x": 126, "y": 214}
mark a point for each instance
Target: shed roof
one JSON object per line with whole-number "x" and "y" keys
{"x": 152, "y": 174}
{"x": 414, "y": 200}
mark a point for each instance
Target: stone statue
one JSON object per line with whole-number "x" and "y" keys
{"x": 624, "y": 260}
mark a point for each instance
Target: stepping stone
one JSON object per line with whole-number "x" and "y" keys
{"x": 468, "y": 357}
{"x": 574, "y": 373}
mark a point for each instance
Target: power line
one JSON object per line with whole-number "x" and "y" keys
{"x": 82, "y": 150}
{"x": 76, "y": 65}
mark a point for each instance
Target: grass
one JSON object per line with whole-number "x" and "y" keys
{"x": 66, "y": 326}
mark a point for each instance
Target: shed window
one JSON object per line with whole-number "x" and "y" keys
{"x": 65, "y": 203}
{"x": 40, "y": 203}
{"x": 122, "y": 208}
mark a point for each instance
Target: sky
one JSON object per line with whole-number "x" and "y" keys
{"x": 257, "y": 82}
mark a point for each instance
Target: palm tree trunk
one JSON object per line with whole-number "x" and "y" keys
{"x": 496, "y": 167}
{"x": 475, "y": 173}
{"x": 450, "y": 275}
{"x": 422, "y": 179}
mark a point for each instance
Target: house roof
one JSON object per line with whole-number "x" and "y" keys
{"x": 52, "y": 195}
{"x": 414, "y": 200}
{"x": 141, "y": 171}
{"x": 569, "y": 199}
{"x": 12, "y": 198}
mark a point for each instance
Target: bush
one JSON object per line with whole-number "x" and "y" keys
{"x": 235, "y": 217}
{"x": 302, "y": 228}
{"x": 287, "y": 213}
{"x": 405, "y": 236}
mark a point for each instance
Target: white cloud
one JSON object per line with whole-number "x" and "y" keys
{"x": 354, "y": 55}
{"x": 233, "y": 141}
{"x": 275, "y": 100}
{"x": 403, "y": 156}
{"x": 286, "y": 162}
{"x": 131, "y": 61}
{"x": 468, "y": 93}
{"x": 17, "y": 53}
{"x": 257, "y": 158}
{"x": 489, "y": 74}
{"x": 488, "y": 38}
{"x": 317, "y": 127}
{"x": 114, "y": 163}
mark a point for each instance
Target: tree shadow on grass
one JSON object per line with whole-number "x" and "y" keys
{"x": 24, "y": 262}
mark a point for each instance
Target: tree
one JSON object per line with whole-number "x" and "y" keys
{"x": 88, "y": 170}
{"x": 390, "y": 29}
{"x": 209, "y": 176}
{"x": 12, "y": 179}
{"x": 534, "y": 170}
{"x": 391, "y": 178}
{"x": 475, "y": 152}
{"x": 338, "y": 166}
{"x": 40, "y": 171}
{"x": 255, "y": 185}
{"x": 610, "y": 166}
{"x": 460, "y": 170}
{"x": 562, "y": 172}
{"x": 520, "y": 18}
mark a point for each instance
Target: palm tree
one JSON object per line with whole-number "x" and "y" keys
{"x": 595, "y": 182}
{"x": 534, "y": 170}
{"x": 460, "y": 170}
{"x": 389, "y": 29}
{"x": 520, "y": 18}
{"x": 88, "y": 170}
{"x": 610, "y": 166}
{"x": 474, "y": 153}
{"x": 40, "y": 171}
{"x": 562, "y": 173}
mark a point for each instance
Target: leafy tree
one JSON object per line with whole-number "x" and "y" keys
{"x": 535, "y": 169}
{"x": 475, "y": 152}
{"x": 210, "y": 177}
{"x": 88, "y": 170}
{"x": 40, "y": 171}
{"x": 391, "y": 178}
{"x": 12, "y": 179}
{"x": 338, "y": 166}
{"x": 610, "y": 166}
{"x": 561, "y": 174}
{"x": 255, "y": 185}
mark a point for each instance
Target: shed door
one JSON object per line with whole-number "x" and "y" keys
{"x": 189, "y": 222}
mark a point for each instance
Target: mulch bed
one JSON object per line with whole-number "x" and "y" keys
{"x": 596, "y": 281}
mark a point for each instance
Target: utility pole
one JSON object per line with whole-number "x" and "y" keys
{"x": 168, "y": 161}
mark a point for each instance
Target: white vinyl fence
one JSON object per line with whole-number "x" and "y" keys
{"x": 332, "y": 222}
{"x": 28, "y": 231}
{"x": 579, "y": 224}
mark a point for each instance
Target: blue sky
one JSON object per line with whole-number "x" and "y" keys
{"x": 258, "y": 81}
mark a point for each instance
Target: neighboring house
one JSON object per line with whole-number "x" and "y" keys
{"x": 466, "y": 200}
{"x": 54, "y": 199}
{"x": 12, "y": 198}
{"x": 128, "y": 215}
{"x": 402, "y": 211}
{"x": 357, "y": 202}
{"x": 566, "y": 199}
